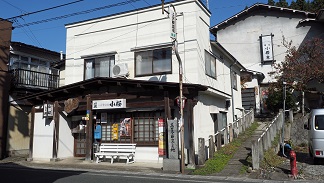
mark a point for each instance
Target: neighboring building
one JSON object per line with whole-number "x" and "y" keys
{"x": 256, "y": 37}
{"x": 31, "y": 71}
{"x": 5, "y": 38}
{"x": 128, "y": 58}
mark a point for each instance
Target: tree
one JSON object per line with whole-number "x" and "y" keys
{"x": 301, "y": 5}
{"x": 293, "y": 5}
{"x": 282, "y": 3}
{"x": 301, "y": 65}
{"x": 275, "y": 100}
{"x": 271, "y": 2}
{"x": 316, "y": 5}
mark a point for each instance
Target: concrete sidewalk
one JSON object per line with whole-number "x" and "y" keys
{"x": 76, "y": 163}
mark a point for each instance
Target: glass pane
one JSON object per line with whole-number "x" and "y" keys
{"x": 13, "y": 61}
{"x": 207, "y": 63}
{"x": 212, "y": 66}
{"x": 112, "y": 63}
{"x": 89, "y": 72}
{"x": 35, "y": 61}
{"x": 319, "y": 122}
{"x": 143, "y": 61}
{"x": 102, "y": 67}
{"x": 24, "y": 58}
{"x": 162, "y": 60}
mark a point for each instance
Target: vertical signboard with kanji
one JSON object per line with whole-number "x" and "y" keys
{"x": 173, "y": 143}
{"x": 266, "y": 48}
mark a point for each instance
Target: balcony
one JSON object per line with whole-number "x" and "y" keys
{"x": 34, "y": 80}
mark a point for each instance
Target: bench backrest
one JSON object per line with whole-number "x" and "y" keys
{"x": 117, "y": 148}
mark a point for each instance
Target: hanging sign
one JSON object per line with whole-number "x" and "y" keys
{"x": 48, "y": 110}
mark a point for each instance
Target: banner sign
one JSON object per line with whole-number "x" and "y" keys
{"x": 109, "y": 104}
{"x": 161, "y": 138}
{"x": 115, "y": 131}
{"x": 125, "y": 129}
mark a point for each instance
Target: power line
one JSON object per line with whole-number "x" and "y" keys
{"x": 26, "y": 14}
{"x": 77, "y": 13}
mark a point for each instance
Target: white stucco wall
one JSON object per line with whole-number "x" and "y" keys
{"x": 147, "y": 154}
{"x": 241, "y": 38}
{"x": 203, "y": 111}
{"x": 66, "y": 140}
{"x": 124, "y": 32}
{"x": 43, "y": 137}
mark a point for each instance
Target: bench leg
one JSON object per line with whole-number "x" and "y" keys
{"x": 97, "y": 159}
{"x": 112, "y": 160}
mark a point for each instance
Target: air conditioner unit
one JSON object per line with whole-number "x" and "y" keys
{"x": 120, "y": 70}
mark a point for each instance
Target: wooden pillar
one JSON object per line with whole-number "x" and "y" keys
{"x": 31, "y": 135}
{"x": 167, "y": 115}
{"x": 191, "y": 131}
{"x": 89, "y": 131}
{"x": 167, "y": 109}
{"x": 56, "y": 133}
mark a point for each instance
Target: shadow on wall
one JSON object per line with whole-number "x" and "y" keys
{"x": 20, "y": 120}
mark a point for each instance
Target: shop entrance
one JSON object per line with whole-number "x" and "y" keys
{"x": 79, "y": 144}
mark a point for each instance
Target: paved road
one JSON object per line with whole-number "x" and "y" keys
{"x": 23, "y": 174}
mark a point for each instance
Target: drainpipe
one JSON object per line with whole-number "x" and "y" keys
{"x": 232, "y": 93}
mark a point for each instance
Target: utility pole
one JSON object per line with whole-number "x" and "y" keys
{"x": 284, "y": 118}
{"x": 173, "y": 35}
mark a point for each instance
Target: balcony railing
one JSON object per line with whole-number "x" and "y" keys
{"x": 34, "y": 79}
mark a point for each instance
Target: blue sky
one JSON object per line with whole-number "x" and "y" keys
{"x": 51, "y": 33}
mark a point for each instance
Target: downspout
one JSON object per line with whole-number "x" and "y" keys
{"x": 232, "y": 93}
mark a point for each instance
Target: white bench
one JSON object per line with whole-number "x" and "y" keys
{"x": 116, "y": 151}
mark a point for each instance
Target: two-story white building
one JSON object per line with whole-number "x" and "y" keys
{"x": 258, "y": 37}
{"x": 128, "y": 58}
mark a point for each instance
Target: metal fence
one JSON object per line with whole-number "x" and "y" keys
{"x": 223, "y": 137}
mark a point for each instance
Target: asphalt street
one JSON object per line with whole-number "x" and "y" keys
{"x": 24, "y": 175}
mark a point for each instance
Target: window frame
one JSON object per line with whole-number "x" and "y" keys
{"x": 234, "y": 80}
{"x": 209, "y": 73}
{"x": 109, "y": 57}
{"x": 144, "y": 127}
{"x": 152, "y": 73}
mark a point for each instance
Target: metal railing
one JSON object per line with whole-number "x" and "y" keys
{"x": 224, "y": 136}
{"x": 34, "y": 79}
{"x": 264, "y": 142}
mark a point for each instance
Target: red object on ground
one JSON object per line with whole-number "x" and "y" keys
{"x": 293, "y": 164}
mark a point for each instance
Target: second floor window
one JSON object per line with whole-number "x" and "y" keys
{"x": 99, "y": 67}
{"x": 210, "y": 65}
{"x": 234, "y": 80}
{"x": 153, "y": 62}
